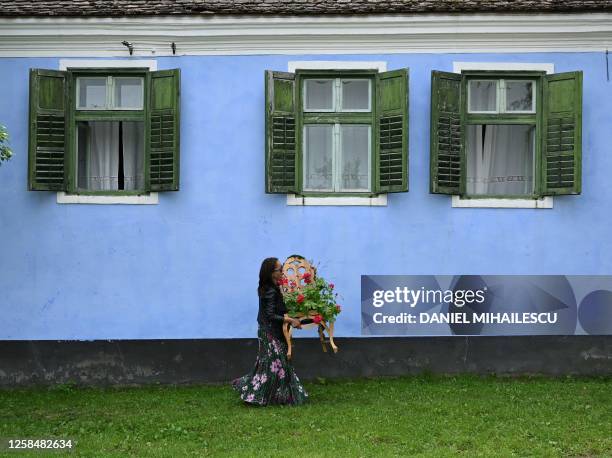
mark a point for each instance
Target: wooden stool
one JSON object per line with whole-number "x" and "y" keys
{"x": 294, "y": 268}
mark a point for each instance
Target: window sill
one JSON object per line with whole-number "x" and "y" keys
{"x": 378, "y": 201}
{"x": 146, "y": 199}
{"x": 544, "y": 202}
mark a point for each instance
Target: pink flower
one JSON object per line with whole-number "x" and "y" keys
{"x": 250, "y": 398}
{"x": 281, "y": 373}
{"x": 331, "y": 286}
{"x": 292, "y": 284}
{"x": 275, "y": 366}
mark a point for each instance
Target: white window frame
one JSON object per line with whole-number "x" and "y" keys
{"x": 497, "y": 96}
{"x": 501, "y": 97}
{"x": 341, "y": 96}
{"x": 543, "y": 202}
{"x": 110, "y": 93}
{"x": 151, "y": 198}
{"x": 377, "y": 201}
{"x": 534, "y": 95}
{"x": 333, "y": 98}
{"x": 337, "y": 159}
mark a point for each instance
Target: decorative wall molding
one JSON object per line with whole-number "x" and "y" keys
{"x": 378, "y": 201}
{"x": 544, "y": 202}
{"x": 65, "y": 64}
{"x": 145, "y": 199}
{"x": 294, "y": 65}
{"x": 367, "y": 34}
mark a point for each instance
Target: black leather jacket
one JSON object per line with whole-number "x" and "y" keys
{"x": 271, "y": 310}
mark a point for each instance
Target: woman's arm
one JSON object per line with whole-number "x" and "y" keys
{"x": 269, "y": 303}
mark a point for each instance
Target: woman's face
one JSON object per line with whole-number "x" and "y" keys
{"x": 277, "y": 273}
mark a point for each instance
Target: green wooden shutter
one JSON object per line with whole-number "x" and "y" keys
{"x": 392, "y": 135}
{"x": 562, "y": 138}
{"x": 47, "y": 142}
{"x": 281, "y": 150}
{"x": 163, "y": 126}
{"x": 446, "y": 151}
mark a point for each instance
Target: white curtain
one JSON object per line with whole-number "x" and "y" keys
{"x": 133, "y": 139}
{"x": 500, "y": 159}
{"x": 355, "y": 152}
{"x": 103, "y": 164}
{"x": 318, "y": 157}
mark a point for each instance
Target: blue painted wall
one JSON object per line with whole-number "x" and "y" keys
{"x": 187, "y": 268}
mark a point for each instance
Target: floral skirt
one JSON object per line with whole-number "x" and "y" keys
{"x": 272, "y": 380}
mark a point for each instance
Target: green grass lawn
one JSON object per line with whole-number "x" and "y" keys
{"x": 424, "y": 416}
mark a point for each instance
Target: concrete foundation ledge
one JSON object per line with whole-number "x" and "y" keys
{"x": 193, "y": 361}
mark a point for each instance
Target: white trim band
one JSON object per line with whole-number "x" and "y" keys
{"x": 363, "y": 34}
{"x": 145, "y": 199}
{"x": 65, "y": 64}
{"x": 545, "y": 202}
{"x": 378, "y": 201}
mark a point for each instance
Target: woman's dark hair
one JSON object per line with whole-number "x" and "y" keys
{"x": 265, "y": 275}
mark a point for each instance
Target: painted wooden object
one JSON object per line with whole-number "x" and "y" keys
{"x": 293, "y": 269}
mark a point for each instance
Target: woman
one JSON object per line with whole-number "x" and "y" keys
{"x": 272, "y": 380}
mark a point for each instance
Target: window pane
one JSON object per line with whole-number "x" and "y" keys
{"x": 319, "y": 95}
{"x": 92, "y": 93}
{"x": 483, "y": 95}
{"x": 318, "y": 149}
{"x": 500, "y": 159}
{"x": 355, "y": 95}
{"x": 110, "y": 155}
{"x": 128, "y": 93}
{"x": 354, "y": 162}
{"x": 519, "y": 95}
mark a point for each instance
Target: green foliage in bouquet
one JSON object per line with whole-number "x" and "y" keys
{"x": 5, "y": 151}
{"x": 317, "y": 298}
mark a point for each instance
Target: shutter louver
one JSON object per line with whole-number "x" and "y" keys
{"x": 163, "y": 151}
{"x": 446, "y": 151}
{"x": 280, "y": 133}
{"x": 562, "y": 137}
{"x": 392, "y": 113}
{"x": 47, "y": 141}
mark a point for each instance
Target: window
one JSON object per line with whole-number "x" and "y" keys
{"x": 104, "y": 131}
{"x": 506, "y": 134}
{"x": 340, "y": 133}
{"x": 337, "y": 148}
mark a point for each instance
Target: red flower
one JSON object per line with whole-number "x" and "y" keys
{"x": 300, "y": 298}
{"x": 331, "y": 286}
{"x": 292, "y": 284}
{"x": 282, "y": 281}
{"x": 306, "y": 276}
{"x": 308, "y": 281}
{"x": 317, "y": 318}
{"x": 338, "y": 308}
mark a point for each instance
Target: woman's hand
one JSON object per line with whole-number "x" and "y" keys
{"x": 296, "y": 323}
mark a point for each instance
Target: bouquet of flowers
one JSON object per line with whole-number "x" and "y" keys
{"x": 316, "y": 299}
